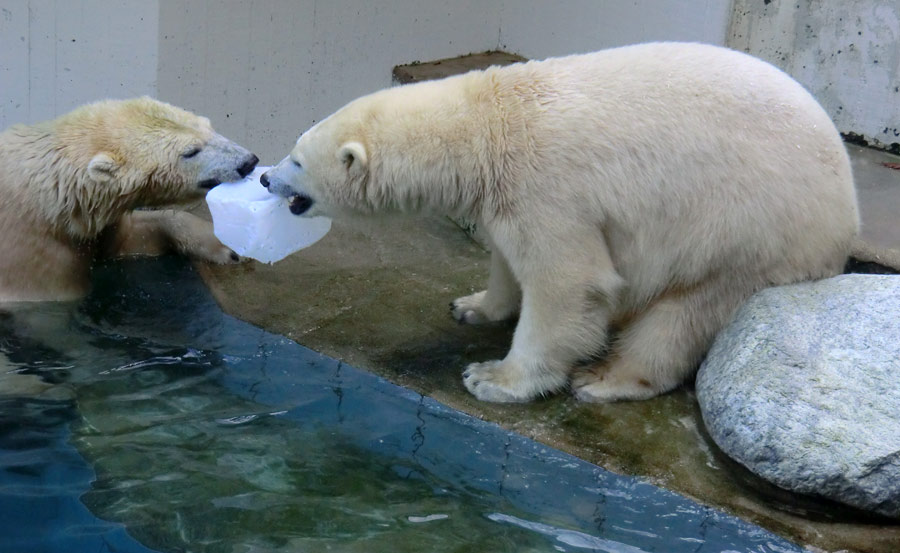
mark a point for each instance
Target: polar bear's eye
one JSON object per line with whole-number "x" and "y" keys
{"x": 191, "y": 153}
{"x": 297, "y": 164}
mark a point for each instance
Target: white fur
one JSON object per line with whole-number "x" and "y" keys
{"x": 648, "y": 189}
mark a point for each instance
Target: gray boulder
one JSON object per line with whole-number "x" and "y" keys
{"x": 803, "y": 388}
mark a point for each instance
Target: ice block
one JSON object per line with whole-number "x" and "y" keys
{"x": 254, "y": 223}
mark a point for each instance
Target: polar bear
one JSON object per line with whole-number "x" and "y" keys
{"x": 633, "y": 198}
{"x": 70, "y": 187}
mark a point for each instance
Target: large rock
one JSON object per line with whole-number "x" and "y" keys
{"x": 803, "y": 388}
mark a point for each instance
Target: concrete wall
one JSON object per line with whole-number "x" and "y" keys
{"x": 264, "y": 70}
{"x": 846, "y": 53}
{"x": 55, "y": 55}
{"x": 540, "y": 28}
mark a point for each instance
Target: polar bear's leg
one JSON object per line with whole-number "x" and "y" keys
{"x": 566, "y": 302}
{"x": 662, "y": 346}
{"x": 499, "y": 302}
{"x": 193, "y": 237}
{"x": 153, "y": 232}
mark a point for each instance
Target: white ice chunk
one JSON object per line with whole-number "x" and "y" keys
{"x": 256, "y": 224}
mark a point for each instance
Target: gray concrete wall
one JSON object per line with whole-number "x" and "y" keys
{"x": 58, "y": 54}
{"x": 846, "y": 53}
{"x": 540, "y": 28}
{"x": 265, "y": 70}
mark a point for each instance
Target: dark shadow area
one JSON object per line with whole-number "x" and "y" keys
{"x": 868, "y": 267}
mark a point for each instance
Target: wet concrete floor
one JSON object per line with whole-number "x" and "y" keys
{"x": 375, "y": 294}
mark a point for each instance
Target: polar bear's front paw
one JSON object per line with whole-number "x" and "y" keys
{"x": 223, "y": 255}
{"x": 208, "y": 248}
{"x": 194, "y": 237}
{"x": 496, "y": 381}
{"x": 467, "y": 309}
{"x": 479, "y": 309}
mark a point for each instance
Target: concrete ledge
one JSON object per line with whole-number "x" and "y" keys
{"x": 416, "y": 72}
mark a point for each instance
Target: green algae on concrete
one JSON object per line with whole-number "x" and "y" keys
{"x": 418, "y": 71}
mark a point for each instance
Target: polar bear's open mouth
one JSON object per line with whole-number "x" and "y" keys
{"x": 209, "y": 184}
{"x": 299, "y": 204}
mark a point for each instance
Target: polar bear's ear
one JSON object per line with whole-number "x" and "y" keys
{"x": 102, "y": 167}
{"x": 353, "y": 156}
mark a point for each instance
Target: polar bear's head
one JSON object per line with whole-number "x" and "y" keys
{"x": 325, "y": 173}
{"x": 411, "y": 148}
{"x": 146, "y": 151}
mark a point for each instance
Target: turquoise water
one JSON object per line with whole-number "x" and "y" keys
{"x": 153, "y": 421}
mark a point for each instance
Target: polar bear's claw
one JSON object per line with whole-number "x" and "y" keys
{"x": 485, "y": 381}
{"x": 213, "y": 251}
{"x": 467, "y": 309}
{"x": 474, "y": 310}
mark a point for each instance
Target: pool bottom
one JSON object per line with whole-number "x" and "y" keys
{"x": 208, "y": 434}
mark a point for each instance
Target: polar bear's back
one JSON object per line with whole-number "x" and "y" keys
{"x": 696, "y": 158}
{"x": 674, "y": 97}
{"x": 662, "y": 83}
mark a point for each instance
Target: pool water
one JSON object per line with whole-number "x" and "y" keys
{"x": 146, "y": 419}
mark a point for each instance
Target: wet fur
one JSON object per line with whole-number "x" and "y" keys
{"x": 70, "y": 186}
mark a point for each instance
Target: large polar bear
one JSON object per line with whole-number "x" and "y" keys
{"x": 69, "y": 188}
{"x": 633, "y": 197}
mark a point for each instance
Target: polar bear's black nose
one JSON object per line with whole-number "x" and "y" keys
{"x": 264, "y": 180}
{"x": 248, "y": 166}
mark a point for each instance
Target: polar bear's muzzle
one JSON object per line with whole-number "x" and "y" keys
{"x": 297, "y": 202}
{"x": 219, "y": 160}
